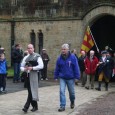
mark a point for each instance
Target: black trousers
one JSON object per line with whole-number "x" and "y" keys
{"x": 44, "y": 72}
{"x": 24, "y": 75}
{"x": 29, "y": 98}
{"x": 3, "y": 81}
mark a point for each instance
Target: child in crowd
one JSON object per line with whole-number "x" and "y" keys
{"x": 3, "y": 73}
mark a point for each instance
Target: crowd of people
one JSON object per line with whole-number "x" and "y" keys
{"x": 70, "y": 69}
{"x": 92, "y": 67}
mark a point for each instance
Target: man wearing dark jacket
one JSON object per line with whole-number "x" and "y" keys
{"x": 81, "y": 60}
{"x": 105, "y": 67}
{"x": 17, "y": 55}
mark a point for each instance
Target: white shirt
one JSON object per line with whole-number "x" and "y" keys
{"x": 38, "y": 67}
{"x": 104, "y": 58}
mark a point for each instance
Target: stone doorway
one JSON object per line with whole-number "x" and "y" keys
{"x": 103, "y": 31}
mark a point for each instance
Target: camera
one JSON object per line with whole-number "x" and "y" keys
{"x": 28, "y": 64}
{"x": 31, "y": 63}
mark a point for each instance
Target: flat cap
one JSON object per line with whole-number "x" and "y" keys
{"x": 43, "y": 49}
{"x": 104, "y": 52}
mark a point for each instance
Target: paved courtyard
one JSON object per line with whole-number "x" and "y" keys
{"x": 12, "y": 102}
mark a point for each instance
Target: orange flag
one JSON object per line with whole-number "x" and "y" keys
{"x": 88, "y": 41}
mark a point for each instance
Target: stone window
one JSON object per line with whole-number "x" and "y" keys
{"x": 14, "y": 2}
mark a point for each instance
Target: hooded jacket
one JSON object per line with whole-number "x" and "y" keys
{"x": 3, "y": 66}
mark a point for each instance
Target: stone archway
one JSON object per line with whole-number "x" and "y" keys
{"x": 102, "y": 23}
{"x": 103, "y": 31}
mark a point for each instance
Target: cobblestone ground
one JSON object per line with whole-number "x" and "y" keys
{"x": 103, "y": 105}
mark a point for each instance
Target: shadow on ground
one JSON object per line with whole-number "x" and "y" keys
{"x": 14, "y": 87}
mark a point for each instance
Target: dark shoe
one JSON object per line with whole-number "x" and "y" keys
{"x": 42, "y": 79}
{"x": 61, "y": 109}
{"x": 99, "y": 89}
{"x": 0, "y": 92}
{"x": 72, "y": 105}
{"x": 34, "y": 109}
{"x": 106, "y": 86}
{"x": 18, "y": 81}
{"x": 14, "y": 81}
{"x": 25, "y": 110}
{"x": 4, "y": 91}
{"x": 46, "y": 79}
{"x": 76, "y": 83}
{"x": 86, "y": 87}
{"x": 106, "y": 89}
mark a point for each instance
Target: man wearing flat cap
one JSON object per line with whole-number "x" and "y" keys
{"x": 105, "y": 67}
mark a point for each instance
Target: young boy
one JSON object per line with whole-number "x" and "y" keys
{"x": 3, "y": 73}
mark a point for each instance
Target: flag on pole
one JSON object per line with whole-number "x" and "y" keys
{"x": 88, "y": 41}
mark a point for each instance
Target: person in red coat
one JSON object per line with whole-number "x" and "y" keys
{"x": 91, "y": 62}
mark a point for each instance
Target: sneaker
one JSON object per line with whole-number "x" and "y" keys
{"x": 42, "y": 79}
{"x": 99, "y": 89}
{"x": 61, "y": 109}
{"x": 72, "y": 105}
{"x": 46, "y": 79}
{"x": 1, "y": 89}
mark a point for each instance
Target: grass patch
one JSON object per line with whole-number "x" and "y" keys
{"x": 10, "y": 72}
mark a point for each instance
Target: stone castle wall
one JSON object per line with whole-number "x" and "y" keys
{"x": 55, "y": 32}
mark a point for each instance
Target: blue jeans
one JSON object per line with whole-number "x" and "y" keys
{"x": 16, "y": 72}
{"x": 70, "y": 85}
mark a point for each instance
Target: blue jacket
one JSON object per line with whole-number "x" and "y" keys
{"x": 3, "y": 66}
{"x": 67, "y": 68}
